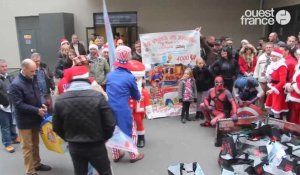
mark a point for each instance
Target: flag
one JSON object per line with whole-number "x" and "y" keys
{"x": 109, "y": 36}
{"x": 121, "y": 141}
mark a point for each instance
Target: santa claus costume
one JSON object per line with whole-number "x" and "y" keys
{"x": 293, "y": 90}
{"x": 139, "y": 107}
{"x": 276, "y": 74}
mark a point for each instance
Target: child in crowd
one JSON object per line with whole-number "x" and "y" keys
{"x": 204, "y": 81}
{"x": 187, "y": 93}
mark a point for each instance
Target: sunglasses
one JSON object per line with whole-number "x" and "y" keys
{"x": 218, "y": 83}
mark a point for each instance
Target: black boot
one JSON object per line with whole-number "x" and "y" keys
{"x": 188, "y": 117}
{"x": 199, "y": 115}
{"x": 141, "y": 141}
{"x": 183, "y": 120}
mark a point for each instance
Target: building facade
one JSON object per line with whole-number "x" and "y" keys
{"x": 216, "y": 17}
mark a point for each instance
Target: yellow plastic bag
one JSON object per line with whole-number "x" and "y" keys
{"x": 51, "y": 140}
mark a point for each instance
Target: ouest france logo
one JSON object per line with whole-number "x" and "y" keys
{"x": 265, "y": 17}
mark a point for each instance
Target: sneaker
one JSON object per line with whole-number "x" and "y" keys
{"x": 139, "y": 157}
{"x": 188, "y": 118}
{"x": 121, "y": 156}
{"x": 43, "y": 167}
{"x": 16, "y": 141}
{"x": 10, "y": 149}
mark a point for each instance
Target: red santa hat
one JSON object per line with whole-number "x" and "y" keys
{"x": 76, "y": 72}
{"x": 277, "y": 52}
{"x": 63, "y": 41}
{"x": 64, "y": 83}
{"x": 105, "y": 48}
{"x": 136, "y": 68}
{"x": 123, "y": 55}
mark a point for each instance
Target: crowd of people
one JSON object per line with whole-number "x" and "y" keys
{"x": 265, "y": 75}
{"x": 93, "y": 99}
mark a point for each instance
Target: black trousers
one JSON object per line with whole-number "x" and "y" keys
{"x": 93, "y": 153}
{"x": 228, "y": 84}
{"x": 185, "y": 109}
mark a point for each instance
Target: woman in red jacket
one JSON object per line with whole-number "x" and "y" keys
{"x": 247, "y": 60}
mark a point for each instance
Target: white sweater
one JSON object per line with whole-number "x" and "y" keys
{"x": 260, "y": 70}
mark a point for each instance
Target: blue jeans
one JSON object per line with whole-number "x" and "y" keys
{"x": 8, "y": 129}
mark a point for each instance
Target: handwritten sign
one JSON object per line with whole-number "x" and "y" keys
{"x": 181, "y": 47}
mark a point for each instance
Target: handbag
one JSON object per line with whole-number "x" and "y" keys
{"x": 50, "y": 139}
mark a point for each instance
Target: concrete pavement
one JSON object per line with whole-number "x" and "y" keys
{"x": 168, "y": 141}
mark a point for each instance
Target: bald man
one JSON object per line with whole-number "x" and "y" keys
{"x": 30, "y": 111}
{"x": 273, "y": 38}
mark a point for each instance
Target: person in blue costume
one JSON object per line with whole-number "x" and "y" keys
{"x": 247, "y": 90}
{"x": 121, "y": 85}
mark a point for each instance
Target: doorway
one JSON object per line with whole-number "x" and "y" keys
{"x": 123, "y": 24}
{"x": 127, "y": 33}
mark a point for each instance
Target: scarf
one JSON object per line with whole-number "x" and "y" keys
{"x": 79, "y": 86}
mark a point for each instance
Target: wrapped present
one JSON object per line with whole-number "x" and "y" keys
{"x": 51, "y": 140}
{"x": 267, "y": 149}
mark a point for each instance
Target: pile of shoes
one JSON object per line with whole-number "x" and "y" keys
{"x": 266, "y": 149}
{"x": 185, "y": 169}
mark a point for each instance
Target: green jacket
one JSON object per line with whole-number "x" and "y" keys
{"x": 99, "y": 68}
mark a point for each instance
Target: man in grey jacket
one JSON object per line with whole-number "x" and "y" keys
{"x": 99, "y": 67}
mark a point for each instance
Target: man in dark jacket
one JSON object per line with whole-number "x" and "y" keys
{"x": 3, "y": 97}
{"x": 77, "y": 46}
{"x": 209, "y": 53}
{"x": 83, "y": 118}
{"x": 137, "y": 54}
{"x": 45, "y": 80}
{"x": 30, "y": 112}
{"x": 8, "y": 128}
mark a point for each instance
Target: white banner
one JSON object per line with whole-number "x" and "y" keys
{"x": 166, "y": 56}
{"x": 181, "y": 47}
